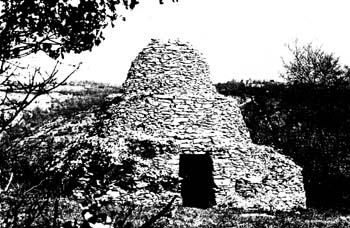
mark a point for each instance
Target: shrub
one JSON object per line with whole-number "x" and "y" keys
{"x": 314, "y": 66}
{"x": 311, "y": 125}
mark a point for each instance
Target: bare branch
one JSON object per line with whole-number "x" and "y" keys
{"x": 32, "y": 91}
{"x": 7, "y": 185}
{"x": 313, "y": 66}
{"x": 34, "y": 187}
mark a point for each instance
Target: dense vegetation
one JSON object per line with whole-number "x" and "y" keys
{"x": 308, "y": 122}
{"x": 37, "y": 193}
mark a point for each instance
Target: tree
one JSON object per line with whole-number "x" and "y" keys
{"x": 314, "y": 66}
{"x": 55, "y": 27}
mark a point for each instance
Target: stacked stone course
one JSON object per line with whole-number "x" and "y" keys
{"x": 169, "y": 99}
{"x": 169, "y": 68}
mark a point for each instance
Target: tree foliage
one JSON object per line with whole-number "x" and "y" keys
{"x": 55, "y": 27}
{"x": 314, "y": 66}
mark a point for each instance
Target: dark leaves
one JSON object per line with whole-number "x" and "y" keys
{"x": 33, "y": 23}
{"x": 133, "y": 3}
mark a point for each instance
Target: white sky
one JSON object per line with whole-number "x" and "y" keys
{"x": 240, "y": 39}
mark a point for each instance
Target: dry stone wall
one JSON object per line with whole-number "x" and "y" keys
{"x": 169, "y": 99}
{"x": 169, "y": 68}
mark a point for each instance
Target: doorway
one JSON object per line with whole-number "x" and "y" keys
{"x": 197, "y": 187}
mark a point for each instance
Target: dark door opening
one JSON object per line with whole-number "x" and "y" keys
{"x": 197, "y": 189}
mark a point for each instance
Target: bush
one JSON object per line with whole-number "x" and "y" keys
{"x": 311, "y": 124}
{"x": 314, "y": 66}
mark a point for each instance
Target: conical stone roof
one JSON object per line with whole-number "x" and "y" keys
{"x": 171, "y": 67}
{"x": 169, "y": 99}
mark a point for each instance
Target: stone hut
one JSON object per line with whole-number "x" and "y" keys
{"x": 168, "y": 99}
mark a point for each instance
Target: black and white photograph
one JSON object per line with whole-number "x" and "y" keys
{"x": 174, "y": 113}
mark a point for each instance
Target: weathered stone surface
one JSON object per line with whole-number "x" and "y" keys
{"x": 169, "y": 99}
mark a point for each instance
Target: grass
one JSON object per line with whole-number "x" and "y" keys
{"x": 180, "y": 217}
{"x": 216, "y": 217}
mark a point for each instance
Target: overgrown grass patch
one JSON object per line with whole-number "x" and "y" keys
{"x": 217, "y": 217}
